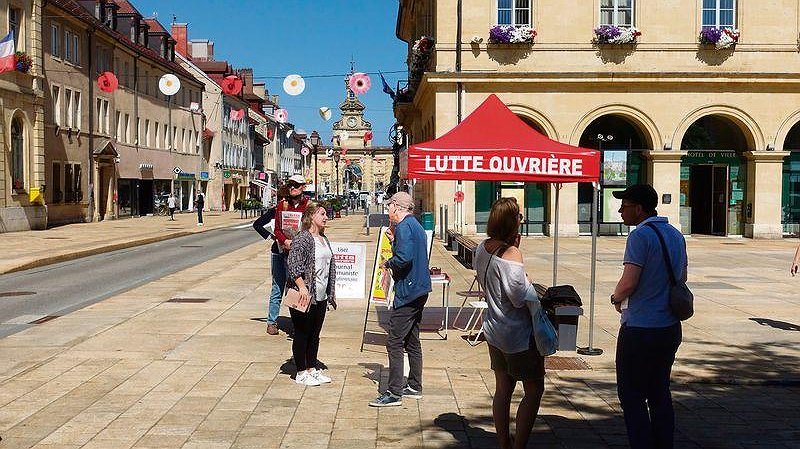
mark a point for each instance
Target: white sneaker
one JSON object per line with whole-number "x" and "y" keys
{"x": 305, "y": 378}
{"x": 323, "y": 379}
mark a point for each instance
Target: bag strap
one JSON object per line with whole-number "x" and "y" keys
{"x": 491, "y": 256}
{"x": 664, "y": 252}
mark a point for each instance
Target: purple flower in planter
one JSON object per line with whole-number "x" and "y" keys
{"x": 607, "y": 32}
{"x": 710, "y": 35}
{"x": 500, "y": 34}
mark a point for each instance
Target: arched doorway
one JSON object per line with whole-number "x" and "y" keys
{"x": 17, "y": 155}
{"x": 790, "y": 198}
{"x": 713, "y": 177}
{"x": 532, "y": 197}
{"x": 621, "y": 143}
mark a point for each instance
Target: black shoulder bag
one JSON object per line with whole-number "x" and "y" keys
{"x": 681, "y": 299}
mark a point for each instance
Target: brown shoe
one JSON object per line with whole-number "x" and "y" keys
{"x": 272, "y": 329}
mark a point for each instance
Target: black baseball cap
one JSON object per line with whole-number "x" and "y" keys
{"x": 642, "y": 194}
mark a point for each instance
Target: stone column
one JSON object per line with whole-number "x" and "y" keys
{"x": 664, "y": 173}
{"x": 96, "y": 190}
{"x": 110, "y": 213}
{"x": 764, "y": 187}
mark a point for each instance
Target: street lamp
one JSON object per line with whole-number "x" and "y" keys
{"x": 336, "y": 158}
{"x": 315, "y": 141}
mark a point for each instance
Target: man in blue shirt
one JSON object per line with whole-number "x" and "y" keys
{"x": 650, "y": 333}
{"x": 412, "y": 283}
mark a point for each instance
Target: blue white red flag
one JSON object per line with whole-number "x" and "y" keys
{"x": 7, "y": 62}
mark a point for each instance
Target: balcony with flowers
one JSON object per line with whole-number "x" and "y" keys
{"x": 720, "y": 38}
{"x": 510, "y": 34}
{"x": 615, "y": 35}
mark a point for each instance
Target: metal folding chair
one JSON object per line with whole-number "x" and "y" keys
{"x": 474, "y": 291}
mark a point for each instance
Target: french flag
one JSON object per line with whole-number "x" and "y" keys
{"x": 7, "y": 63}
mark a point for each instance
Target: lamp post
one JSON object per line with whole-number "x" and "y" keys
{"x": 336, "y": 157}
{"x": 315, "y": 141}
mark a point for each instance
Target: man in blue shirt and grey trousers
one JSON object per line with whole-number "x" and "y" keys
{"x": 412, "y": 283}
{"x": 650, "y": 333}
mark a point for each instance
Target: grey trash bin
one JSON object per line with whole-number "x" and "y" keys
{"x": 567, "y": 320}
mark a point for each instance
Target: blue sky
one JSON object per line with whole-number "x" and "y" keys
{"x": 308, "y": 37}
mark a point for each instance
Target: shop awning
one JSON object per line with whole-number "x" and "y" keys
{"x": 493, "y": 144}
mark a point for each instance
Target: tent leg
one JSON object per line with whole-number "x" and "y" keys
{"x": 592, "y": 283}
{"x": 555, "y": 236}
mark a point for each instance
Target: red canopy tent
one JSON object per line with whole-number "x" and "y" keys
{"x": 493, "y": 144}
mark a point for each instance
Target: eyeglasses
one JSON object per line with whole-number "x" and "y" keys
{"x": 294, "y": 185}
{"x": 521, "y": 217}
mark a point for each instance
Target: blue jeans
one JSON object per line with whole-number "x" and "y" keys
{"x": 278, "y": 286}
{"x": 644, "y": 361}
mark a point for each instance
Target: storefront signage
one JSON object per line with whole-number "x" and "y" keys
{"x": 204, "y": 175}
{"x": 351, "y": 266}
{"x": 226, "y": 174}
{"x": 709, "y": 157}
{"x": 183, "y": 176}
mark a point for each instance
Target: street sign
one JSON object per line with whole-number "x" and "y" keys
{"x": 226, "y": 174}
{"x": 177, "y": 170}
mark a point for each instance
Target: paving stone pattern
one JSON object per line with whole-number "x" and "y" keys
{"x": 137, "y": 370}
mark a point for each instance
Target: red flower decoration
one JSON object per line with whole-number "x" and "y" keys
{"x": 459, "y": 197}
{"x": 367, "y": 136}
{"x": 107, "y": 82}
{"x": 231, "y": 85}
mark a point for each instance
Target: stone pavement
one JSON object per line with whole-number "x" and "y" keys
{"x": 139, "y": 371}
{"x": 30, "y": 249}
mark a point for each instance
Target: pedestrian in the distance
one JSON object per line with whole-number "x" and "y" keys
{"x": 650, "y": 333}
{"x": 288, "y": 217}
{"x": 312, "y": 272}
{"x": 507, "y": 325}
{"x": 412, "y": 283}
{"x": 199, "y": 204}
{"x": 795, "y": 262}
{"x": 171, "y": 205}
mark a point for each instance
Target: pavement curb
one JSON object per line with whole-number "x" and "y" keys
{"x": 105, "y": 249}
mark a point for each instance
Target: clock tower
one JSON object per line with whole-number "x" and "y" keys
{"x": 352, "y": 123}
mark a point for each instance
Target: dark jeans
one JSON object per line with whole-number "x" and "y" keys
{"x": 644, "y": 362}
{"x": 172, "y": 213}
{"x": 404, "y": 335}
{"x": 307, "y": 327}
{"x": 199, "y": 215}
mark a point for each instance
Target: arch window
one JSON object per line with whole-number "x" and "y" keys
{"x": 17, "y": 155}
{"x": 719, "y": 13}
{"x": 514, "y": 12}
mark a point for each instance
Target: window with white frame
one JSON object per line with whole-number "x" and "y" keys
{"x": 138, "y": 131}
{"x": 617, "y": 12}
{"x": 183, "y": 140}
{"x": 514, "y": 12}
{"x": 56, "y": 92}
{"x": 67, "y": 46}
{"x": 719, "y": 13}
{"x": 72, "y": 44}
{"x": 197, "y": 142}
{"x": 55, "y": 40}
{"x": 68, "y": 99}
{"x": 76, "y": 109}
{"x": 166, "y": 137}
{"x": 147, "y": 132}
{"x": 118, "y": 122}
{"x": 158, "y": 136}
{"x": 127, "y": 128}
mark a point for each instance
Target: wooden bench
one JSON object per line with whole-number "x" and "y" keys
{"x": 450, "y": 238}
{"x": 466, "y": 249}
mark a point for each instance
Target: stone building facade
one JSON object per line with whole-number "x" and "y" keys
{"x": 22, "y": 165}
{"x": 713, "y": 127}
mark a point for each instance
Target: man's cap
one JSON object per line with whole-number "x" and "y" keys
{"x": 642, "y": 194}
{"x": 297, "y": 179}
{"x": 402, "y": 200}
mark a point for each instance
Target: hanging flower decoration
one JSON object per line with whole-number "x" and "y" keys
{"x": 270, "y": 132}
{"x": 231, "y": 85}
{"x": 22, "y": 62}
{"x": 107, "y": 82}
{"x": 510, "y": 34}
{"x": 359, "y": 83}
{"x": 281, "y": 115}
{"x": 237, "y": 114}
{"x": 611, "y": 34}
{"x": 294, "y": 85}
{"x": 367, "y": 136}
{"x": 719, "y": 37}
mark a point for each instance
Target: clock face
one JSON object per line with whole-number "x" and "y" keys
{"x": 351, "y": 122}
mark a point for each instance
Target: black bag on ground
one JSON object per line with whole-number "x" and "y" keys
{"x": 559, "y": 295}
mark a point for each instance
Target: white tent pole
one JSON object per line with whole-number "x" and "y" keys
{"x": 592, "y": 283}
{"x": 555, "y": 236}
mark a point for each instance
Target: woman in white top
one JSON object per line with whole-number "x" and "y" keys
{"x": 311, "y": 270}
{"x": 507, "y": 324}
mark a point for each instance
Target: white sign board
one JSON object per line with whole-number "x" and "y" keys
{"x": 351, "y": 267}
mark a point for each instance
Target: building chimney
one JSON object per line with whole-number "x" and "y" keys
{"x": 180, "y": 34}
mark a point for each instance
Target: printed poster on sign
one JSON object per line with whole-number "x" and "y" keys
{"x": 381, "y": 277}
{"x": 290, "y": 223}
{"x": 351, "y": 267}
{"x": 615, "y": 169}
